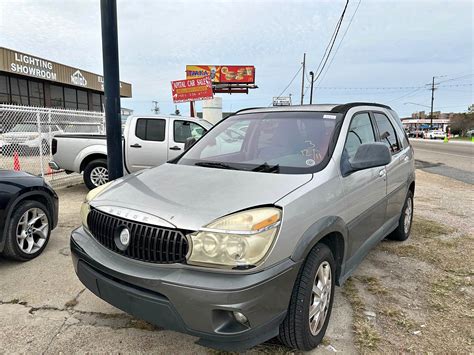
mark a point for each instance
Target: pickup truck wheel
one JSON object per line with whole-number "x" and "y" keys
{"x": 28, "y": 231}
{"x": 96, "y": 173}
{"x": 404, "y": 223}
{"x": 311, "y": 301}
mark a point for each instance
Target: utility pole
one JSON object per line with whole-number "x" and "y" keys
{"x": 156, "y": 109}
{"x": 302, "y": 78}
{"x": 432, "y": 101}
{"x": 311, "y": 93}
{"x": 110, "y": 57}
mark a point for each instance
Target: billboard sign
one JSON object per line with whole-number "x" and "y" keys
{"x": 192, "y": 89}
{"x": 229, "y": 74}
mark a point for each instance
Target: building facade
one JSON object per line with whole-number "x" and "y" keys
{"x": 32, "y": 81}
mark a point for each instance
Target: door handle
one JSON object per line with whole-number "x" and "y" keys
{"x": 136, "y": 145}
{"x": 405, "y": 158}
{"x": 175, "y": 148}
{"x": 382, "y": 173}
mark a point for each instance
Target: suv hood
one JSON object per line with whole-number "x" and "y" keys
{"x": 189, "y": 197}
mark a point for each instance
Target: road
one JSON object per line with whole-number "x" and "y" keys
{"x": 454, "y": 160}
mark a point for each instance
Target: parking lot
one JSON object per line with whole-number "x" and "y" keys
{"x": 411, "y": 296}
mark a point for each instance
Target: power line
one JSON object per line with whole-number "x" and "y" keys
{"x": 340, "y": 42}
{"x": 338, "y": 27}
{"x": 291, "y": 81}
{"x": 458, "y": 78}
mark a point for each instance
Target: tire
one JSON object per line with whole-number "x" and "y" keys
{"x": 96, "y": 173}
{"x": 26, "y": 240}
{"x": 403, "y": 231}
{"x": 295, "y": 330}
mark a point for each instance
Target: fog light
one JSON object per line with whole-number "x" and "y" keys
{"x": 239, "y": 317}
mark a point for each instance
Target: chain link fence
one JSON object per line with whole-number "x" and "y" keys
{"x": 26, "y": 133}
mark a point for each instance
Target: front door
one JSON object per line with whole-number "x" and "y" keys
{"x": 180, "y": 130}
{"x": 365, "y": 190}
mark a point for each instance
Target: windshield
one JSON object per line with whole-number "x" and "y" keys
{"x": 274, "y": 142}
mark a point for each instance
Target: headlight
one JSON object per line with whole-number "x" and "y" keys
{"x": 238, "y": 240}
{"x": 85, "y": 207}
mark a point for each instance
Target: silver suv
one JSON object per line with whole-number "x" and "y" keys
{"x": 242, "y": 239}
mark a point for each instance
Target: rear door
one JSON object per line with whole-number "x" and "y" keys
{"x": 365, "y": 190}
{"x": 179, "y": 131}
{"x": 147, "y": 144}
{"x": 399, "y": 168}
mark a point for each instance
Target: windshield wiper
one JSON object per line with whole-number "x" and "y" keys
{"x": 265, "y": 168}
{"x": 214, "y": 164}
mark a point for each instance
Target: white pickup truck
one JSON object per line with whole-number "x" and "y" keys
{"x": 148, "y": 141}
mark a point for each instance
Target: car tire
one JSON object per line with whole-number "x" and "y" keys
{"x": 28, "y": 231}
{"x": 300, "y": 330}
{"x": 96, "y": 173}
{"x": 405, "y": 222}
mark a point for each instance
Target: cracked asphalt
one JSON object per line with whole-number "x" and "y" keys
{"x": 45, "y": 309}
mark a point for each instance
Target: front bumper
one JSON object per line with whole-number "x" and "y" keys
{"x": 187, "y": 300}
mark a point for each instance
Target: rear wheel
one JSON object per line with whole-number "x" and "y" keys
{"x": 28, "y": 231}
{"x": 311, "y": 301}
{"x": 96, "y": 173}
{"x": 404, "y": 223}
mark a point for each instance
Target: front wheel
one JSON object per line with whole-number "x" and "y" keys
{"x": 28, "y": 231}
{"x": 96, "y": 173}
{"x": 311, "y": 301}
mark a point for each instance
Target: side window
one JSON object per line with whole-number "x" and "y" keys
{"x": 360, "y": 132}
{"x": 387, "y": 132}
{"x": 150, "y": 129}
{"x": 184, "y": 129}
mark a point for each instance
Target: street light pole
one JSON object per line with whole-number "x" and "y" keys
{"x": 432, "y": 101}
{"x": 302, "y": 78}
{"x": 113, "y": 122}
{"x": 312, "y": 82}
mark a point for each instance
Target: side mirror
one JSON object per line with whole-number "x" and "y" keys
{"x": 370, "y": 155}
{"x": 189, "y": 143}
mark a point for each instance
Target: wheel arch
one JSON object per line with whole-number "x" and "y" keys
{"x": 31, "y": 195}
{"x": 332, "y": 232}
{"x": 90, "y": 158}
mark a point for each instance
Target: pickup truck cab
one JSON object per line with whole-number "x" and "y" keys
{"x": 247, "y": 241}
{"x": 148, "y": 141}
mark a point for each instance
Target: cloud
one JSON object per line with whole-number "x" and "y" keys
{"x": 390, "y": 43}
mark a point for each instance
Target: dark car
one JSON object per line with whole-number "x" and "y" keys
{"x": 28, "y": 214}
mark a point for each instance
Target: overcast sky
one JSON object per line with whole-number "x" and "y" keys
{"x": 389, "y": 44}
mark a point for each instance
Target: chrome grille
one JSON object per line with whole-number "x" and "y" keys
{"x": 148, "y": 243}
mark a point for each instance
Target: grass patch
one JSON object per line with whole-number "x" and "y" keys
{"x": 399, "y": 318}
{"x": 427, "y": 228}
{"x": 366, "y": 336}
{"x": 373, "y": 285}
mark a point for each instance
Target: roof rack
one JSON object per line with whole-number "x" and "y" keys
{"x": 346, "y": 107}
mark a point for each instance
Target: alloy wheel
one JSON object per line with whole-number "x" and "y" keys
{"x": 32, "y": 230}
{"x": 99, "y": 175}
{"x": 320, "y": 298}
{"x": 408, "y": 215}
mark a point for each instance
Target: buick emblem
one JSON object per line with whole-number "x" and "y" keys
{"x": 122, "y": 238}
{"x": 125, "y": 237}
